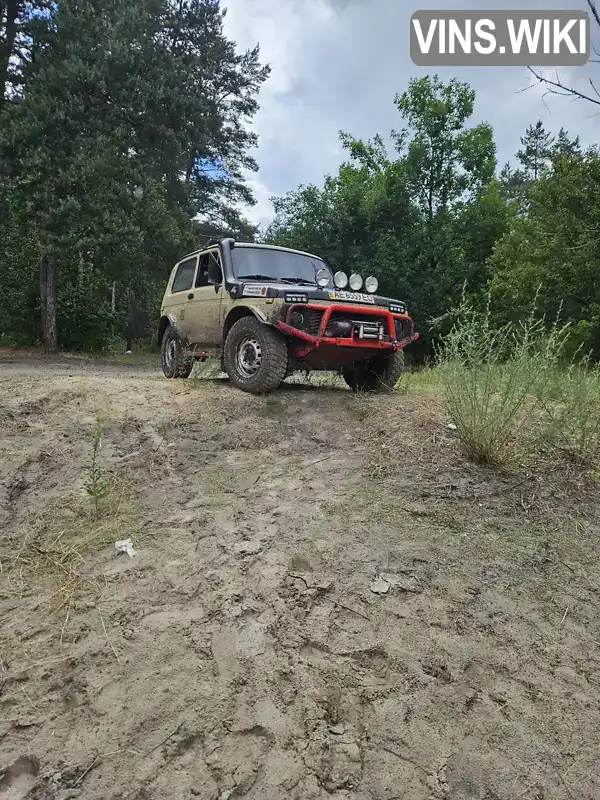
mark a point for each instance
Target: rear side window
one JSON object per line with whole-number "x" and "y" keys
{"x": 184, "y": 277}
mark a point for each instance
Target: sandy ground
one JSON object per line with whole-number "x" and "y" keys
{"x": 326, "y": 600}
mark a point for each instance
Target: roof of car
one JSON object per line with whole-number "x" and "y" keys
{"x": 254, "y": 245}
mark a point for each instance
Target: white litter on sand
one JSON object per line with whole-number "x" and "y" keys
{"x": 125, "y": 546}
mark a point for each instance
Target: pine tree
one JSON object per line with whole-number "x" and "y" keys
{"x": 513, "y": 184}
{"x": 537, "y": 149}
{"x": 124, "y": 94}
{"x": 565, "y": 145}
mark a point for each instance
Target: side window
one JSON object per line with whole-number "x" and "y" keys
{"x": 215, "y": 271}
{"x": 202, "y": 276}
{"x": 184, "y": 277}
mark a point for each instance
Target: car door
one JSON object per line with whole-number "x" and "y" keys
{"x": 204, "y": 309}
{"x": 178, "y": 299}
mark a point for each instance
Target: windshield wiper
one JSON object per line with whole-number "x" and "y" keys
{"x": 300, "y": 281}
{"x": 256, "y": 277}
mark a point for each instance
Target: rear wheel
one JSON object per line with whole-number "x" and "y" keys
{"x": 380, "y": 374}
{"x": 255, "y": 356}
{"x": 175, "y": 363}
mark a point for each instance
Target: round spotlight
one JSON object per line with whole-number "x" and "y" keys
{"x": 371, "y": 285}
{"x": 297, "y": 319}
{"x": 356, "y": 282}
{"x": 341, "y": 280}
{"x": 323, "y": 278}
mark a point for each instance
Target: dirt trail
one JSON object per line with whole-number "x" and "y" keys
{"x": 326, "y": 601}
{"x": 69, "y": 367}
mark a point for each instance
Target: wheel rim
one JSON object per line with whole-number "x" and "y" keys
{"x": 249, "y": 356}
{"x": 170, "y": 353}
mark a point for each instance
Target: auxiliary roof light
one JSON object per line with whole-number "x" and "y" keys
{"x": 341, "y": 280}
{"x": 356, "y": 282}
{"x": 371, "y": 285}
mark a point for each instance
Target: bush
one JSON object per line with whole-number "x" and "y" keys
{"x": 573, "y": 420}
{"x": 493, "y": 379}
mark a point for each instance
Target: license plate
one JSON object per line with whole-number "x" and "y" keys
{"x": 352, "y": 297}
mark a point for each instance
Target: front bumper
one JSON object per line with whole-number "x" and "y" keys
{"x": 395, "y": 331}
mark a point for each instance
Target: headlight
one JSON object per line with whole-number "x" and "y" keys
{"x": 355, "y": 282}
{"x": 371, "y": 285}
{"x": 397, "y": 308}
{"x": 341, "y": 280}
{"x": 323, "y": 278}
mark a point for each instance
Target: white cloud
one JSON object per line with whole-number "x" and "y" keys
{"x": 337, "y": 64}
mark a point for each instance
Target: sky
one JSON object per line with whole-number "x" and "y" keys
{"x": 337, "y": 65}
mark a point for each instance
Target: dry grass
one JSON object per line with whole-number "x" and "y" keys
{"x": 64, "y": 535}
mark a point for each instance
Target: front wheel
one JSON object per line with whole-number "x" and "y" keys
{"x": 174, "y": 363}
{"x": 255, "y": 356}
{"x": 380, "y": 374}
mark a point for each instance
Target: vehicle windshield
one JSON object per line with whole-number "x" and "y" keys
{"x": 258, "y": 263}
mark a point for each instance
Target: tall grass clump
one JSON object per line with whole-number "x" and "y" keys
{"x": 573, "y": 413}
{"x": 493, "y": 379}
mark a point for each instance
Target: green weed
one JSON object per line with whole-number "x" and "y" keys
{"x": 573, "y": 420}
{"x": 493, "y": 379}
{"x": 96, "y": 484}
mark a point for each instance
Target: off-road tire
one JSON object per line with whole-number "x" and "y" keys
{"x": 375, "y": 375}
{"x": 175, "y": 364}
{"x": 273, "y": 356}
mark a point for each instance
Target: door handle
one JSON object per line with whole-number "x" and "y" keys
{"x": 191, "y": 296}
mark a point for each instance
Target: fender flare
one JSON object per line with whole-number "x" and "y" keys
{"x": 260, "y": 315}
{"x": 166, "y": 320}
{"x": 239, "y": 311}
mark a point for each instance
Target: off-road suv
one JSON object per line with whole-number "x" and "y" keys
{"x": 267, "y": 312}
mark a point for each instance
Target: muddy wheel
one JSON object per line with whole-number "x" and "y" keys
{"x": 375, "y": 375}
{"x": 174, "y": 363}
{"x": 256, "y": 356}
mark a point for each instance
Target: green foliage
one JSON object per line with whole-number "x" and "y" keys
{"x": 573, "y": 421}
{"x": 534, "y": 158}
{"x": 514, "y": 389}
{"x": 553, "y": 252}
{"x": 120, "y": 94}
{"x": 534, "y": 155}
{"x": 19, "y": 297}
{"x": 424, "y": 220}
{"x": 85, "y": 320}
{"x": 564, "y": 145}
{"x": 493, "y": 379}
{"x": 445, "y": 161}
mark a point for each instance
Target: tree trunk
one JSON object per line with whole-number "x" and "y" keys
{"x": 129, "y": 323}
{"x": 48, "y": 302}
{"x": 7, "y": 45}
